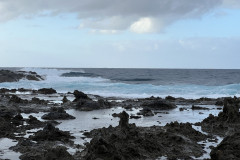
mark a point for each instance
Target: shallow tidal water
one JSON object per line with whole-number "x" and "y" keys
{"x": 103, "y": 118}
{"x": 5, "y": 152}
{"x": 84, "y": 120}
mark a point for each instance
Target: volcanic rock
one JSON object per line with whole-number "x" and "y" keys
{"x": 47, "y": 91}
{"x": 145, "y": 112}
{"x": 159, "y": 104}
{"x": 126, "y": 141}
{"x": 227, "y": 122}
{"x": 228, "y": 149}
{"x": 57, "y": 113}
{"x": 79, "y": 95}
{"x": 50, "y": 133}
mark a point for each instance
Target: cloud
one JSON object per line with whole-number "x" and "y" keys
{"x": 231, "y": 3}
{"x": 140, "y": 16}
{"x": 143, "y": 25}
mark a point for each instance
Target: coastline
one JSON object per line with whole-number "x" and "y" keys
{"x": 43, "y": 123}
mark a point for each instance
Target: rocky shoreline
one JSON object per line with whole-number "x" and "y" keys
{"x": 125, "y": 141}
{"x": 32, "y": 118}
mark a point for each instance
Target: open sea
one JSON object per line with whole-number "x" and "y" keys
{"x": 137, "y": 83}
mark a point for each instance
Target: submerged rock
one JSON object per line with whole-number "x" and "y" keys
{"x": 135, "y": 117}
{"x": 199, "y": 108}
{"x": 146, "y": 112}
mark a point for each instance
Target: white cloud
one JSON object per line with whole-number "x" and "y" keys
{"x": 143, "y": 25}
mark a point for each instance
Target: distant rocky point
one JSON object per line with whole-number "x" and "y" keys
{"x": 15, "y": 76}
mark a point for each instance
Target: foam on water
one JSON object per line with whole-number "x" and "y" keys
{"x": 110, "y": 88}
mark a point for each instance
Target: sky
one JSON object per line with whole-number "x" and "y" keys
{"x": 120, "y": 33}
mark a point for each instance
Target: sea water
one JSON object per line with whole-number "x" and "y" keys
{"x": 137, "y": 83}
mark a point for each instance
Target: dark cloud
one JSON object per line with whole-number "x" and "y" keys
{"x": 149, "y": 15}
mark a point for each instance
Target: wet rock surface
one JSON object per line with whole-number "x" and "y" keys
{"x": 145, "y": 112}
{"x": 227, "y": 121}
{"x": 41, "y": 151}
{"x": 14, "y": 76}
{"x": 80, "y": 95}
{"x": 84, "y": 103}
{"x": 126, "y": 141}
{"x": 47, "y": 91}
{"x": 228, "y": 149}
{"x": 51, "y": 133}
{"x": 14, "y": 102}
{"x": 194, "y": 107}
{"x": 158, "y": 104}
{"x": 57, "y": 113}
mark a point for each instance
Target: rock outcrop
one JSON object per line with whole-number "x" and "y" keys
{"x": 227, "y": 122}
{"x": 47, "y": 91}
{"x": 15, "y": 76}
{"x": 126, "y": 141}
{"x": 57, "y": 113}
{"x": 50, "y": 133}
{"x": 228, "y": 149}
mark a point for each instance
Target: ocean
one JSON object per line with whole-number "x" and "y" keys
{"x": 137, "y": 83}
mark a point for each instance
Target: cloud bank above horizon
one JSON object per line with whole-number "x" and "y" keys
{"x": 110, "y": 16}
{"x": 114, "y": 33}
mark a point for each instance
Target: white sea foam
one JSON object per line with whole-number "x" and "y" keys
{"x": 105, "y": 87}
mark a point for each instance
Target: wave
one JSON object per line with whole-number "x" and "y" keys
{"x": 135, "y": 79}
{"x": 108, "y": 88}
{"x": 78, "y": 74}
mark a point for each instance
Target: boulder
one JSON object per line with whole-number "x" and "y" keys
{"x": 194, "y": 107}
{"x": 57, "y": 113}
{"x": 47, "y": 91}
{"x": 65, "y": 100}
{"x": 50, "y": 133}
{"x": 146, "y": 112}
{"x": 79, "y": 95}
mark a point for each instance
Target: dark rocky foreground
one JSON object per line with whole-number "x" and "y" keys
{"x": 227, "y": 122}
{"x": 125, "y": 141}
{"x": 14, "y": 76}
